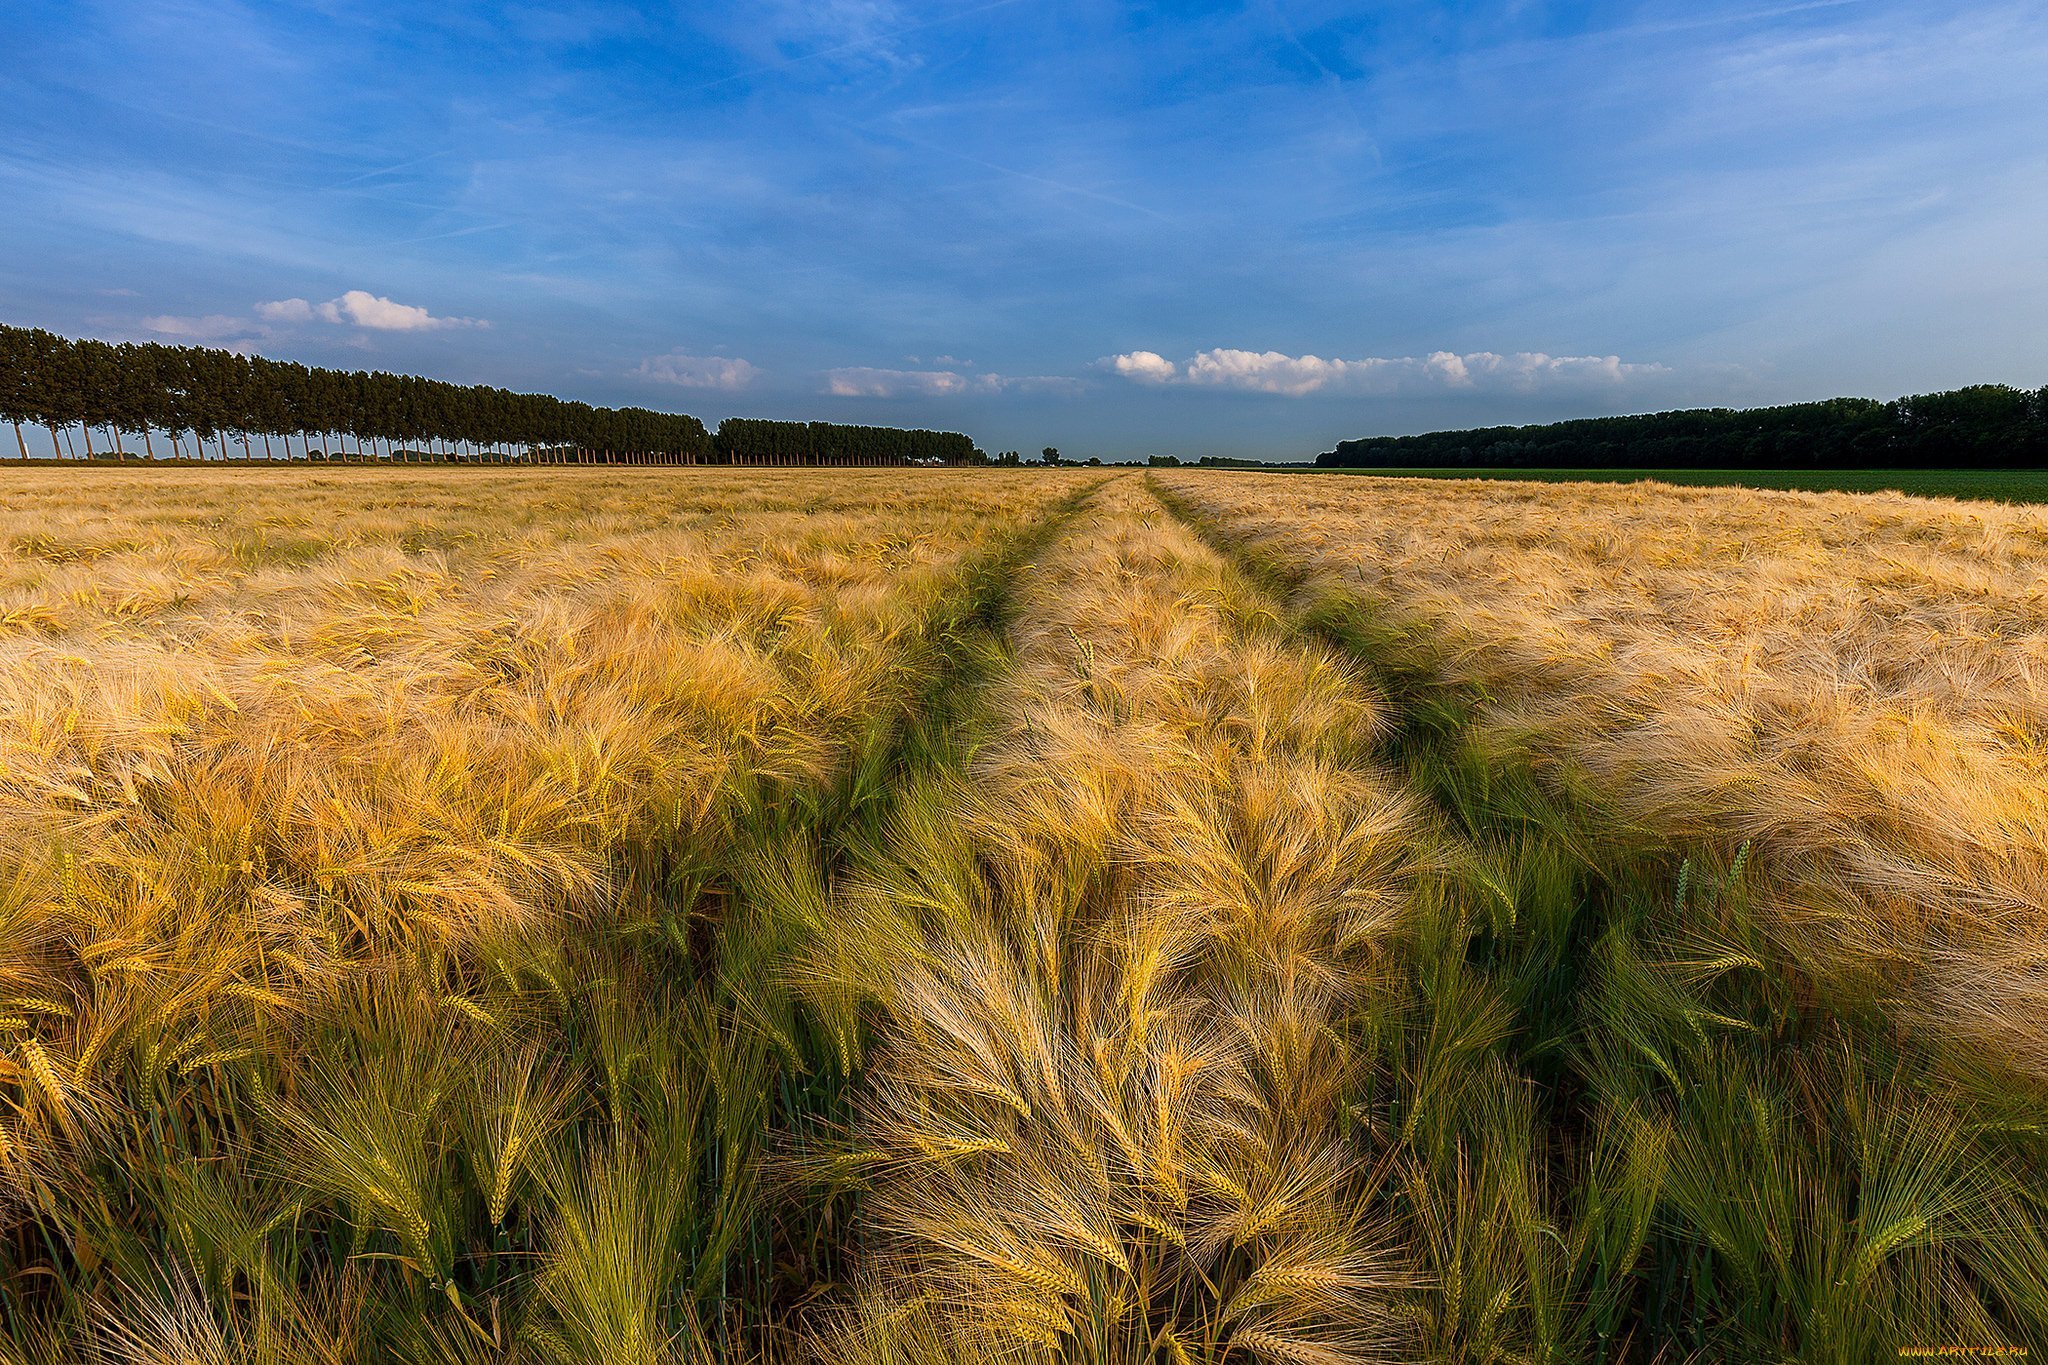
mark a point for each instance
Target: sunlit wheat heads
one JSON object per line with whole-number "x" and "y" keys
{"x": 899, "y": 916}
{"x": 1855, "y": 683}
{"x": 1104, "y": 1121}
{"x": 333, "y": 806}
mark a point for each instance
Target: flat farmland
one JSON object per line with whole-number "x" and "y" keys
{"x": 891, "y": 915}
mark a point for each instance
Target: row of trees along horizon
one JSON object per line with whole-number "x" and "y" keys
{"x": 1986, "y": 426}
{"x": 207, "y": 397}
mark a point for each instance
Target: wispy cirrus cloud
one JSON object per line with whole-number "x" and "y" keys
{"x": 698, "y": 371}
{"x": 1297, "y": 376}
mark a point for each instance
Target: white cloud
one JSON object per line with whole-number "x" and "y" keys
{"x": 1148, "y": 367}
{"x": 357, "y": 308}
{"x": 1264, "y": 372}
{"x": 861, "y": 381}
{"x": 360, "y": 308}
{"x": 381, "y": 314}
{"x": 285, "y": 310}
{"x": 698, "y": 371}
{"x": 1295, "y": 376}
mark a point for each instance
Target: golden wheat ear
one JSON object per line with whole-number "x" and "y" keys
{"x": 1083, "y": 1118}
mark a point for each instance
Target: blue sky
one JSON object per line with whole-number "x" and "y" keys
{"x": 1205, "y": 228}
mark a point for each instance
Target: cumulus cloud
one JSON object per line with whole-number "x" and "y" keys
{"x": 861, "y": 381}
{"x": 1295, "y": 376}
{"x": 285, "y": 310}
{"x": 698, "y": 371}
{"x": 382, "y": 315}
{"x": 360, "y": 308}
{"x": 1147, "y": 367}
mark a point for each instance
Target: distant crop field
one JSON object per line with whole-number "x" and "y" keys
{"x": 903, "y": 916}
{"x": 1997, "y": 485}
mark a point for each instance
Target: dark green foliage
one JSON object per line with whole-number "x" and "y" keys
{"x": 1985, "y": 426}
{"x": 51, "y": 381}
{"x": 747, "y": 440}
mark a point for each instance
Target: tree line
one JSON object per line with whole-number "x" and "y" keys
{"x": 748, "y": 440}
{"x": 205, "y": 403}
{"x": 1985, "y": 426}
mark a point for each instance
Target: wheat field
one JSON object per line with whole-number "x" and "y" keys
{"x": 903, "y": 916}
{"x": 1858, "y": 684}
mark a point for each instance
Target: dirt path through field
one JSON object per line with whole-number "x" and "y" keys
{"x": 1109, "y": 1098}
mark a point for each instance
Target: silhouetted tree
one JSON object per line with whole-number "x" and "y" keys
{"x": 1986, "y": 426}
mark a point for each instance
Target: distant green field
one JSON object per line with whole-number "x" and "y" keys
{"x": 1998, "y": 485}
